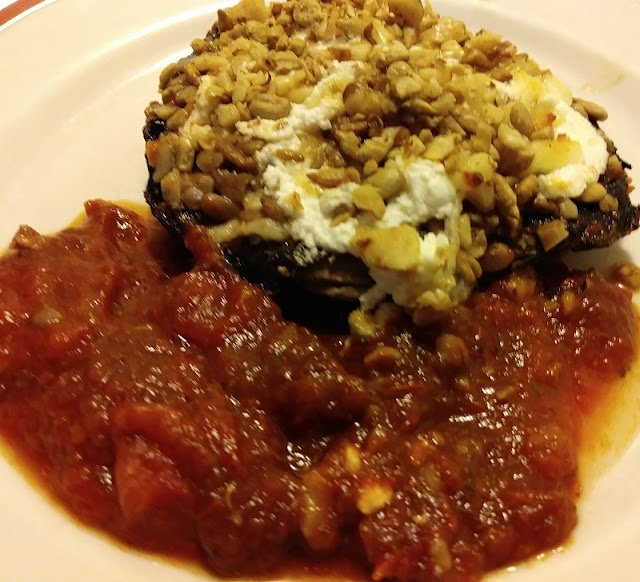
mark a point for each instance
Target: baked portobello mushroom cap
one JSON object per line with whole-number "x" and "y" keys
{"x": 404, "y": 83}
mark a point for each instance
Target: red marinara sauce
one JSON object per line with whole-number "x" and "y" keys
{"x": 179, "y": 411}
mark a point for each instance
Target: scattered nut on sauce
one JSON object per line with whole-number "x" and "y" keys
{"x": 46, "y": 316}
{"x": 382, "y": 357}
{"x": 373, "y": 497}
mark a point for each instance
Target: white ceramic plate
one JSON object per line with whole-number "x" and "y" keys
{"x": 75, "y": 78}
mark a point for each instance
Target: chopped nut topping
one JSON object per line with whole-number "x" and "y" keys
{"x": 404, "y": 135}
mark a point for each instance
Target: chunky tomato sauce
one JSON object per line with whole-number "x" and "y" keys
{"x": 176, "y": 409}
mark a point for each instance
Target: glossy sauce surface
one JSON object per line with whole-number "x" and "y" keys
{"x": 179, "y": 411}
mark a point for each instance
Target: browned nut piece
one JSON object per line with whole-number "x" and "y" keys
{"x": 568, "y": 209}
{"x": 177, "y": 120}
{"x": 287, "y": 155}
{"x": 614, "y": 167}
{"x": 171, "y": 185}
{"x": 522, "y": 285}
{"x": 580, "y": 109}
{"x": 375, "y": 148}
{"x": 362, "y": 324}
{"x": 388, "y": 181}
{"x": 568, "y": 302}
{"x": 227, "y": 115}
{"x": 271, "y": 209}
{"x": 594, "y": 111}
{"x": 185, "y": 154}
{"x": 245, "y": 9}
{"x": 549, "y": 155}
{"x": 398, "y": 70}
{"x": 161, "y": 111}
{"x": 608, "y": 203}
{"x": 527, "y": 189}
{"x": 340, "y": 53}
{"x": 209, "y": 160}
{"x": 352, "y": 459}
{"x": 521, "y": 119}
{"x": 206, "y": 62}
{"x": 192, "y": 197}
{"x": 202, "y": 182}
{"x": 394, "y": 51}
{"x": 485, "y": 41}
{"x": 299, "y": 94}
{"x": 497, "y": 257}
{"x": 441, "y": 147}
{"x": 467, "y": 267}
{"x": 440, "y": 554}
{"x": 359, "y": 98}
{"x": 268, "y": 106}
{"x": 406, "y": 87}
{"x": 482, "y": 197}
{"x": 368, "y": 198}
{"x": 551, "y": 234}
{"x": 186, "y": 96}
{"x": 511, "y": 137}
{"x": 232, "y": 185}
{"x": 46, "y": 316}
{"x": 545, "y": 132}
{"x": 192, "y": 74}
{"x": 593, "y": 193}
{"x": 373, "y": 497}
{"x": 515, "y": 152}
{"x": 476, "y": 58}
{"x": 341, "y": 217}
{"x": 544, "y": 205}
{"x": 27, "y": 238}
{"x": 165, "y": 159}
{"x": 369, "y": 167}
{"x": 500, "y": 74}
{"x": 411, "y": 11}
{"x": 480, "y": 164}
{"x": 507, "y": 203}
{"x": 452, "y": 350}
{"x": 432, "y": 306}
{"x": 382, "y": 358}
{"x": 219, "y": 208}
{"x": 328, "y": 177}
{"x": 169, "y": 72}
